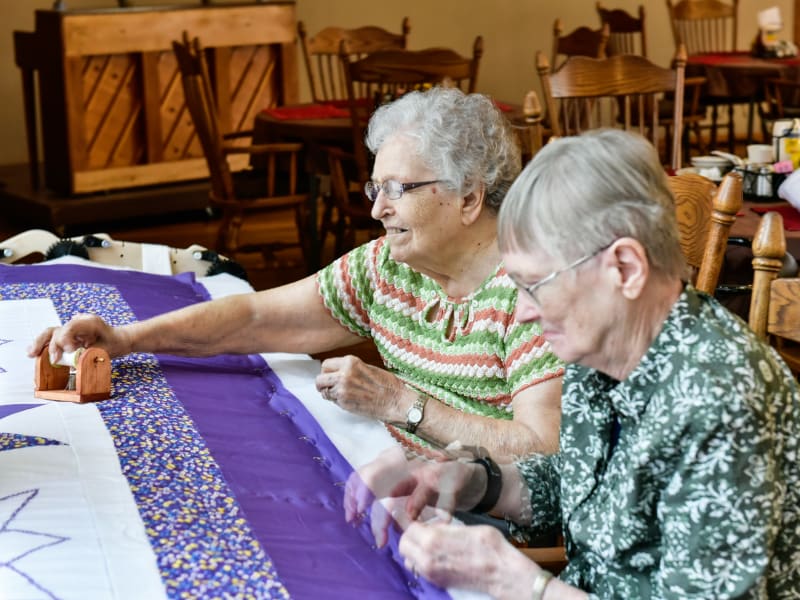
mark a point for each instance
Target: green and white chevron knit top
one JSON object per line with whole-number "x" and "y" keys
{"x": 467, "y": 352}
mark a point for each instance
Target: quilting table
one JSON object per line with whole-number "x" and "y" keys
{"x": 200, "y": 478}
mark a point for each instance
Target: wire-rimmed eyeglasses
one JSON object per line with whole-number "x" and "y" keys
{"x": 392, "y": 189}
{"x": 534, "y": 287}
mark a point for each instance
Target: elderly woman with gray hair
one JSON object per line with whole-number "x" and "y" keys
{"x": 432, "y": 294}
{"x": 678, "y": 472}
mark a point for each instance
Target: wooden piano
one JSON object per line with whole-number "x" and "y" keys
{"x": 110, "y": 101}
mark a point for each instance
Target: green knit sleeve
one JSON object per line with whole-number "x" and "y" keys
{"x": 346, "y": 287}
{"x": 529, "y": 359}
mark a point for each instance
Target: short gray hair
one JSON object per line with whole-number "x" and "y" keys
{"x": 580, "y": 194}
{"x": 463, "y": 138}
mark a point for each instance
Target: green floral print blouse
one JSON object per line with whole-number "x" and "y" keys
{"x": 681, "y": 481}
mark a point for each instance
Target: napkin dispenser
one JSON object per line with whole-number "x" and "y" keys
{"x": 760, "y": 182}
{"x": 767, "y": 44}
{"x": 82, "y": 376}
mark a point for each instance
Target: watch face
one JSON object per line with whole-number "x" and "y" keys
{"x": 414, "y": 415}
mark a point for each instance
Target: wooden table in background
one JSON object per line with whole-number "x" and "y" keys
{"x": 738, "y": 267}
{"x": 316, "y": 132}
{"x": 747, "y": 222}
{"x": 739, "y": 75}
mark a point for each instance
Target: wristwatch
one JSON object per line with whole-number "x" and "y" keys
{"x": 494, "y": 482}
{"x": 415, "y": 413}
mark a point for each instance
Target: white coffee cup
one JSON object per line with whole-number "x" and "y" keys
{"x": 789, "y": 190}
{"x": 760, "y": 154}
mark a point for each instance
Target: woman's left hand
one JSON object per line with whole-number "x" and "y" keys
{"x": 361, "y": 388}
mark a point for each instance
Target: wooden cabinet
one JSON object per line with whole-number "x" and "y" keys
{"x": 110, "y": 100}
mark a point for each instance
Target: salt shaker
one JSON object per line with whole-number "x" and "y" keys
{"x": 764, "y": 185}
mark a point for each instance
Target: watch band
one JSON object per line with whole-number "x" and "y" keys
{"x": 494, "y": 483}
{"x": 418, "y": 408}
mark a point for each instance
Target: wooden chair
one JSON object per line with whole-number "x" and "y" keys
{"x": 352, "y": 207}
{"x": 775, "y": 303}
{"x": 586, "y": 93}
{"x": 326, "y": 78}
{"x": 321, "y": 54}
{"x": 626, "y": 32}
{"x": 550, "y": 558}
{"x": 385, "y": 74}
{"x": 627, "y": 36}
{"x": 274, "y": 189}
{"x": 377, "y": 78}
{"x": 530, "y": 130}
{"x": 705, "y": 215}
{"x": 781, "y": 101}
{"x": 704, "y": 25}
{"x": 583, "y": 41}
{"x": 708, "y": 26}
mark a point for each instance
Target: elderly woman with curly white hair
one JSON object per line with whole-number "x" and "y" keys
{"x": 432, "y": 294}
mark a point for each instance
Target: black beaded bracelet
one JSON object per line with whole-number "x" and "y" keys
{"x": 494, "y": 483}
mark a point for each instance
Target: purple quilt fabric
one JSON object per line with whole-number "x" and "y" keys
{"x": 262, "y": 460}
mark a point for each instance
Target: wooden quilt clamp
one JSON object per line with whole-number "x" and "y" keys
{"x": 25, "y": 247}
{"x": 82, "y": 376}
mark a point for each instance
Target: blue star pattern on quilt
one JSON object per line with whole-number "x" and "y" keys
{"x": 2, "y": 370}
{"x": 18, "y": 543}
{"x": 15, "y": 441}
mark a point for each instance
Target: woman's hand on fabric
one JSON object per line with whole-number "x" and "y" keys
{"x": 364, "y": 389}
{"x": 81, "y": 331}
{"x": 475, "y": 557}
{"x": 415, "y": 486}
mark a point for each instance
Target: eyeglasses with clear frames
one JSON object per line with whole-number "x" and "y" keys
{"x": 533, "y": 288}
{"x": 392, "y": 189}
